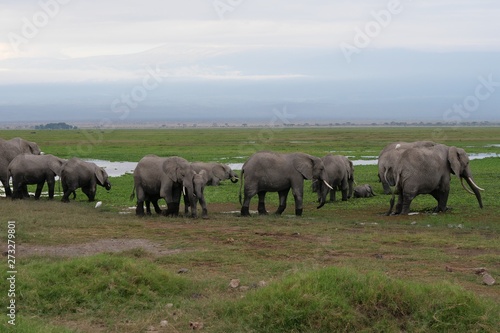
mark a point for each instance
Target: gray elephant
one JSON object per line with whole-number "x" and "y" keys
{"x": 163, "y": 177}
{"x": 340, "y": 172}
{"x": 363, "y": 191}
{"x": 211, "y": 174}
{"x": 77, "y": 173}
{"x": 9, "y": 149}
{"x": 426, "y": 170}
{"x": 274, "y": 172}
{"x": 28, "y": 169}
{"x": 200, "y": 180}
{"x": 389, "y": 156}
{"x": 215, "y": 172}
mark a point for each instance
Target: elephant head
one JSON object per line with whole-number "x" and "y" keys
{"x": 221, "y": 172}
{"x": 102, "y": 178}
{"x": 312, "y": 168}
{"x": 27, "y": 147}
{"x": 459, "y": 166}
{"x": 180, "y": 171}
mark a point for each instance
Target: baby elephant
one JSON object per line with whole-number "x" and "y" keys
{"x": 363, "y": 191}
{"x": 76, "y": 173}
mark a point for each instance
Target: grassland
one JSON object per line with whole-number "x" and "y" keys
{"x": 345, "y": 267}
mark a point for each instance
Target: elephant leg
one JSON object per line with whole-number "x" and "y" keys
{"x": 203, "y": 204}
{"x": 442, "y": 199}
{"x": 156, "y": 206}
{"x": 332, "y": 195}
{"x": 344, "y": 188}
{"x": 148, "y": 207}
{"x": 407, "y": 199}
{"x": 298, "y": 196}
{"x": 139, "y": 208}
{"x": 51, "y": 185}
{"x": 262, "y": 204}
{"x": 344, "y": 194}
{"x": 17, "y": 190}
{"x": 86, "y": 191}
{"x": 247, "y": 197}
{"x": 39, "y": 188}
{"x": 172, "y": 209}
{"x": 65, "y": 197}
{"x": 399, "y": 205}
{"x": 283, "y": 196}
{"x": 66, "y": 192}
{"x": 386, "y": 187}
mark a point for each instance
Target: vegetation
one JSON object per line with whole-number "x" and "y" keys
{"x": 55, "y": 126}
{"x": 344, "y": 267}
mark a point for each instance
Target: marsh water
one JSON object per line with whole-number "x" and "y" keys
{"x": 116, "y": 169}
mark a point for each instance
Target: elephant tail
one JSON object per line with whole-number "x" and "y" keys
{"x": 393, "y": 190}
{"x": 241, "y": 185}
{"x": 132, "y": 195}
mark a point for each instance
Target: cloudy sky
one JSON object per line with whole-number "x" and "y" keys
{"x": 249, "y": 59}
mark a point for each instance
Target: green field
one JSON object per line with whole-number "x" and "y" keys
{"x": 345, "y": 267}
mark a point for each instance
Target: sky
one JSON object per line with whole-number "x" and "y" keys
{"x": 243, "y": 60}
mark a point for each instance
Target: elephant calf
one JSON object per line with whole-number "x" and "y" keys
{"x": 77, "y": 173}
{"x": 363, "y": 191}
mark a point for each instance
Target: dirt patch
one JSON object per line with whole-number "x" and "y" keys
{"x": 91, "y": 248}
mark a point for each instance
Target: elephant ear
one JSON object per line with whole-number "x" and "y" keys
{"x": 55, "y": 166}
{"x": 304, "y": 165}
{"x": 457, "y": 159}
{"x": 101, "y": 175}
{"x": 33, "y": 148}
{"x": 219, "y": 173}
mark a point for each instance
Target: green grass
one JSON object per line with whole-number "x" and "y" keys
{"x": 342, "y": 300}
{"x": 344, "y": 267}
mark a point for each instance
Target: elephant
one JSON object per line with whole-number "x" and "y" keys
{"x": 77, "y": 173}
{"x": 426, "y": 170}
{"x": 200, "y": 180}
{"x": 267, "y": 171}
{"x": 363, "y": 191}
{"x": 215, "y": 172}
{"x": 163, "y": 177}
{"x": 9, "y": 149}
{"x": 211, "y": 174}
{"x": 340, "y": 176}
{"x": 389, "y": 156}
{"x": 34, "y": 169}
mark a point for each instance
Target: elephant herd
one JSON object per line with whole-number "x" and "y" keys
{"x": 24, "y": 162}
{"x": 405, "y": 169}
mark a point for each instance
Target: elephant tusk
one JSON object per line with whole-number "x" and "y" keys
{"x": 328, "y": 185}
{"x": 184, "y": 190}
{"x": 479, "y": 188}
{"x": 465, "y": 188}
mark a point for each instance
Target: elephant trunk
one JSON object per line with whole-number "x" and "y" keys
{"x": 475, "y": 189}
{"x": 323, "y": 189}
{"x": 321, "y": 203}
{"x": 234, "y": 179}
